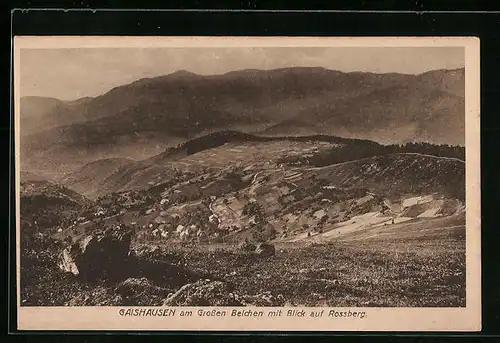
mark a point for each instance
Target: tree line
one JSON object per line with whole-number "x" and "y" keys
{"x": 359, "y": 150}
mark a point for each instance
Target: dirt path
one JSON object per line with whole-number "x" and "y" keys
{"x": 367, "y": 158}
{"x": 425, "y": 155}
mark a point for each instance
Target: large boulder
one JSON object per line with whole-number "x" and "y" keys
{"x": 218, "y": 293}
{"x": 133, "y": 286}
{"x": 100, "y": 254}
{"x": 95, "y": 296}
{"x": 204, "y": 293}
{"x": 265, "y": 299}
{"x": 140, "y": 292}
{"x": 265, "y": 249}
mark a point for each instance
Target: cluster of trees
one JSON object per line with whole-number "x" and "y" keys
{"x": 268, "y": 233}
{"x": 252, "y": 208}
{"x": 255, "y": 209}
{"x": 442, "y": 150}
{"x": 215, "y": 139}
{"x": 198, "y": 217}
{"x": 363, "y": 149}
{"x": 234, "y": 175}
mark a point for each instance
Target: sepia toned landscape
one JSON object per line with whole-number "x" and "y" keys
{"x": 292, "y": 186}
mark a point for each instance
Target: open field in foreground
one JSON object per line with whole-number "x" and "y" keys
{"x": 407, "y": 268}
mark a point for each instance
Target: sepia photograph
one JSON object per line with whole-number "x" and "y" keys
{"x": 237, "y": 175}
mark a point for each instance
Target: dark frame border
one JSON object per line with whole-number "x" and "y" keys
{"x": 296, "y": 23}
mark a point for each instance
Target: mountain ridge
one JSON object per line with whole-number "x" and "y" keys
{"x": 187, "y": 72}
{"x": 213, "y": 150}
{"x": 146, "y": 116}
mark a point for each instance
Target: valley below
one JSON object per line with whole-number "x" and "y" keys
{"x": 233, "y": 219}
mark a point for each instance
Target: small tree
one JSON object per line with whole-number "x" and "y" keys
{"x": 323, "y": 219}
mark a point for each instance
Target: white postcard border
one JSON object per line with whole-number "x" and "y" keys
{"x": 376, "y": 319}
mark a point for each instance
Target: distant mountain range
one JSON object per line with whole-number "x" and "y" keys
{"x": 141, "y": 119}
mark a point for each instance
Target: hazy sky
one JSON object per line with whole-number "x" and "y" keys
{"x": 69, "y": 74}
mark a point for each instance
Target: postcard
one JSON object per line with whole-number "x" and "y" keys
{"x": 247, "y": 183}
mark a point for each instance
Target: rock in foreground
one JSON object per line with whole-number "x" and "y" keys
{"x": 264, "y": 249}
{"x": 203, "y": 293}
{"x": 140, "y": 291}
{"x": 100, "y": 254}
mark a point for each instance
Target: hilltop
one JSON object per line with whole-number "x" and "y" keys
{"x": 198, "y": 155}
{"x": 141, "y": 119}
